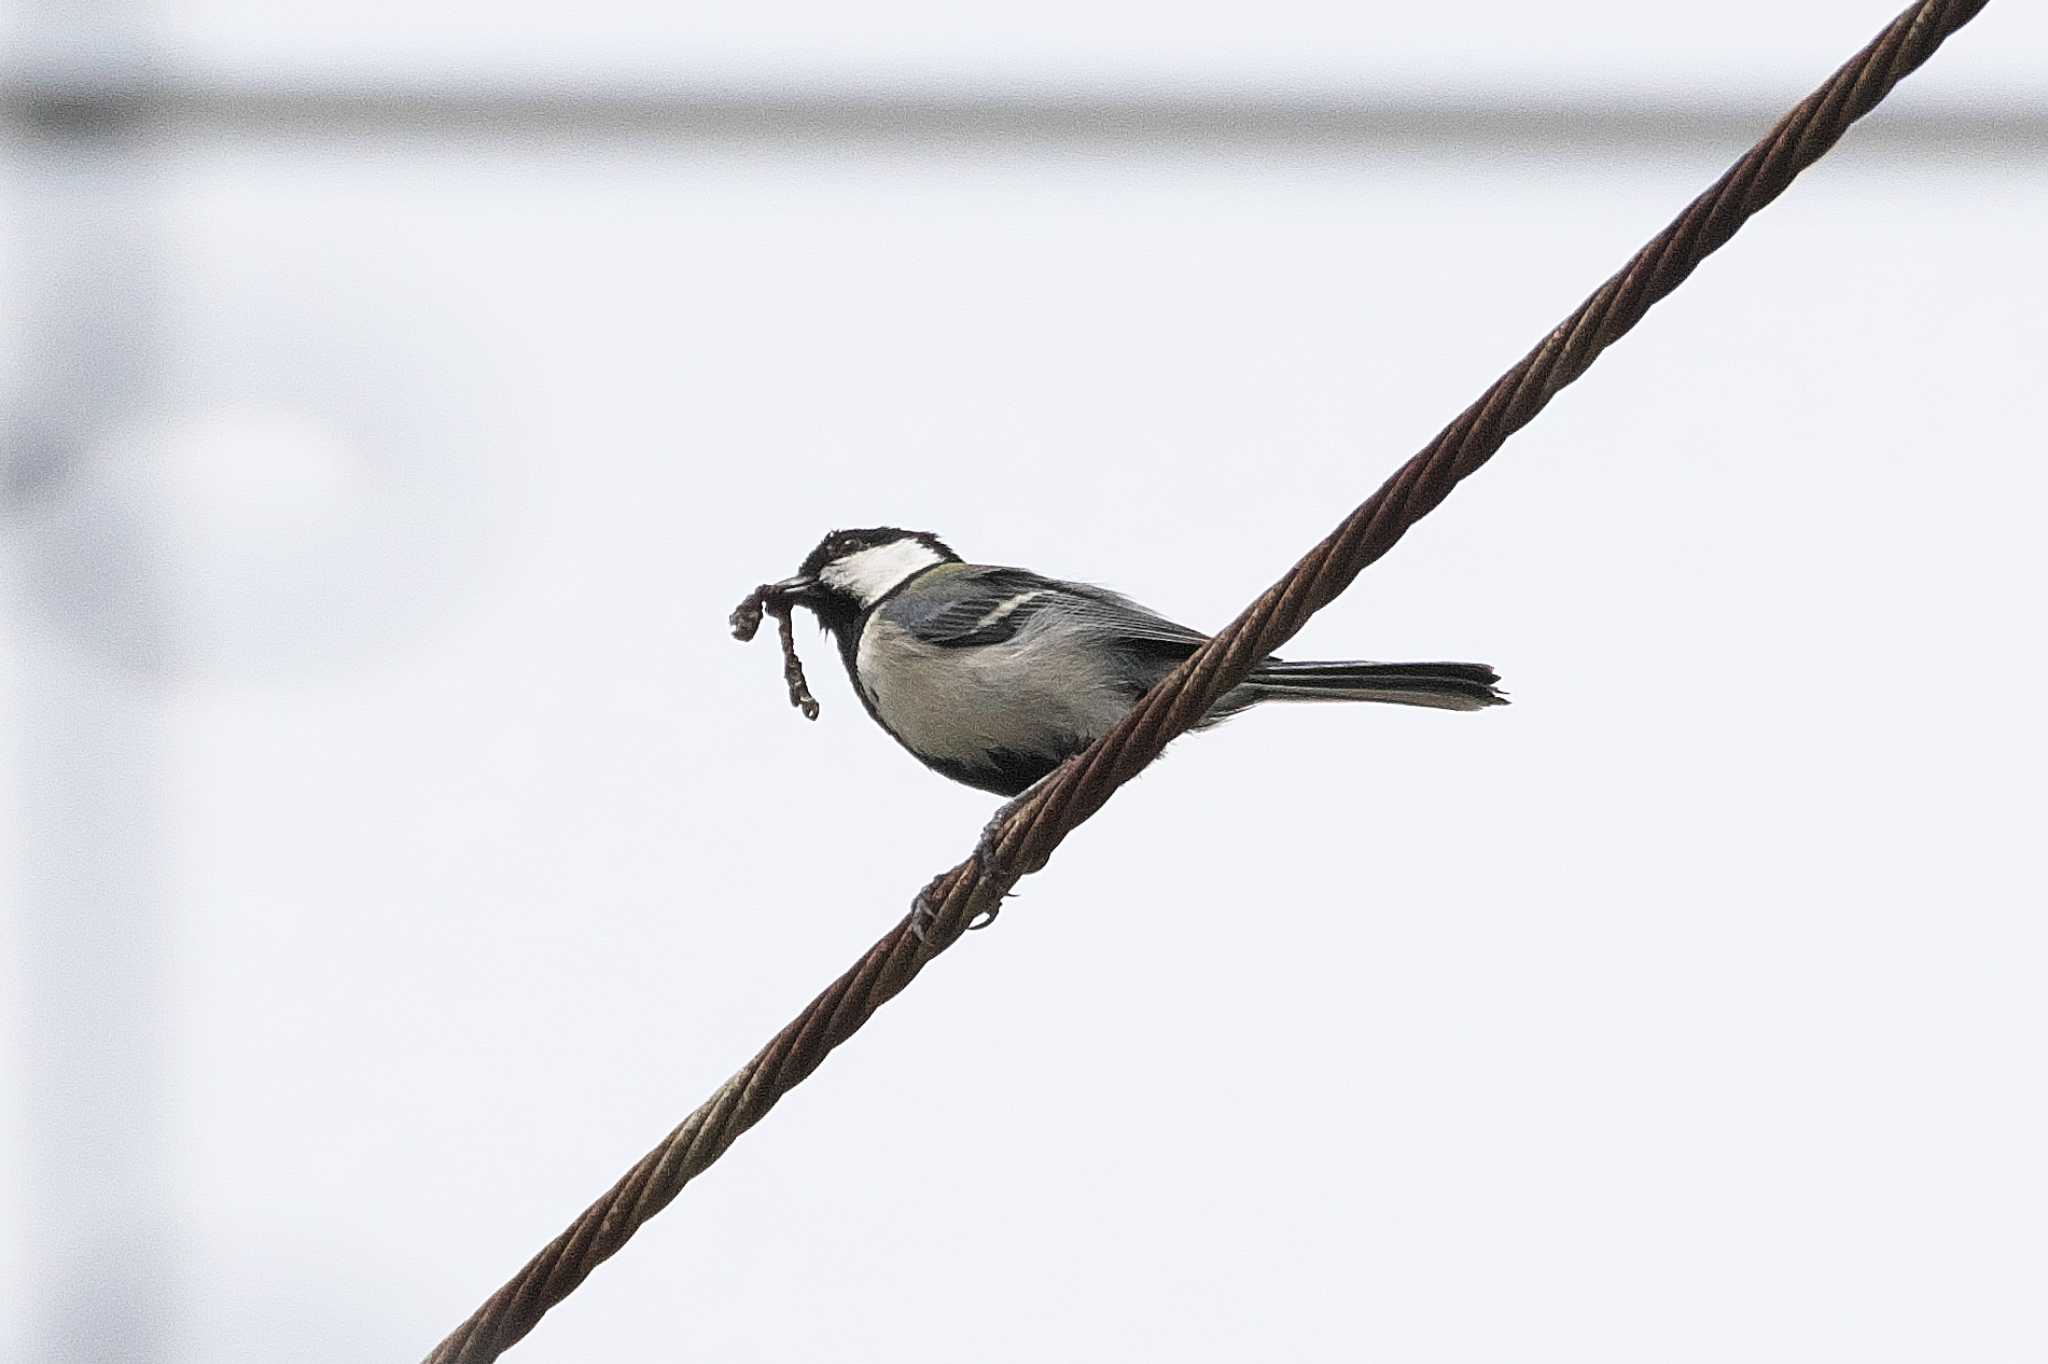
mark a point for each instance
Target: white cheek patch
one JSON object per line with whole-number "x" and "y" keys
{"x": 868, "y": 575}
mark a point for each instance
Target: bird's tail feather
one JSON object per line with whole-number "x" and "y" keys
{"x": 1446, "y": 686}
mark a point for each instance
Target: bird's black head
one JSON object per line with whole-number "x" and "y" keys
{"x": 851, "y": 570}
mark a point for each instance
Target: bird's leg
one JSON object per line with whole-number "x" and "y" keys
{"x": 991, "y": 866}
{"x": 988, "y": 866}
{"x": 923, "y": 908}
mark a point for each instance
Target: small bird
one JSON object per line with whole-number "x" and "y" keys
{"x": 995, "y": 676}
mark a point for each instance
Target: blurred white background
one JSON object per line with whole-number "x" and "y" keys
{"x": 394, "y": 844}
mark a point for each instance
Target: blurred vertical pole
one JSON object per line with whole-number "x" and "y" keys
{"x": 91, "y": 675}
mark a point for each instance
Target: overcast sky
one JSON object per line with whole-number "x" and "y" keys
{"x": 1743, "y": 46}
{"x": 1688, "y": 1008}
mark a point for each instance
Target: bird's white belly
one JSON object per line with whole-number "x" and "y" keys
{"x": 958, "y": 704}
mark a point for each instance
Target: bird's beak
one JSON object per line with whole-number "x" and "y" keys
{"x": 801, "y": 590}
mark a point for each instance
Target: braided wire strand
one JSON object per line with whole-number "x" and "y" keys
{"x": 1081, "y": 787}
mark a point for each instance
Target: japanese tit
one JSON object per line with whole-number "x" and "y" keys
{"x": 994, "y": 676}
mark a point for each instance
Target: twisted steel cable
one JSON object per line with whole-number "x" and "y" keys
{"x": 1036, "y": 827}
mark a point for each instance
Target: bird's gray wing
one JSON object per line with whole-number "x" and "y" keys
{"x": 970, "y": 605}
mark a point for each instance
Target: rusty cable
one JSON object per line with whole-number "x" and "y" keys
{"x": 1037, "y": 826}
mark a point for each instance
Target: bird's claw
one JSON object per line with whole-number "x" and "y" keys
{"x": 924, "y": 910}
{"x": 989, "y": 866}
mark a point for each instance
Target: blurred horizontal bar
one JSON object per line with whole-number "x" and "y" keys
{"x": 1049, "y": 117}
